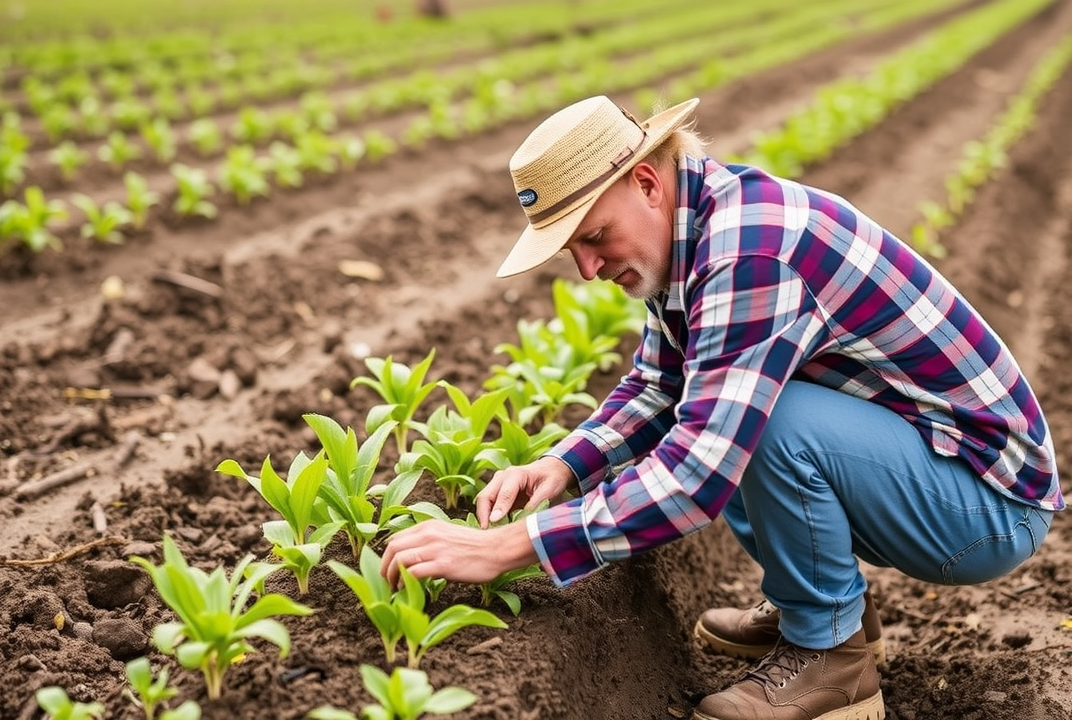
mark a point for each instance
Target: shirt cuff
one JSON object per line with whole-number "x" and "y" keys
{"x": 560, "y": 536}
{"x": 587, "y": 461}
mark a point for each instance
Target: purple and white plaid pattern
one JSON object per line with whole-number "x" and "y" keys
{"x": 773, "y": 280}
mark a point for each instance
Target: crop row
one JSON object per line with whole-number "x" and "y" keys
{"x": 246, "y": 174}
{"x": 514, "y": 421}
{"x": 983, "y": 158}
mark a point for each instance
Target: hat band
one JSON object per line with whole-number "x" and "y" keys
{"x": 615, "y": 166}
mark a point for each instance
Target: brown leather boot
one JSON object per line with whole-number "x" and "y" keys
{"x": 795, "y": 683}
{"x": 751, "y": 634}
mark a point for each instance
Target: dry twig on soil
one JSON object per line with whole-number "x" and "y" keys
{"x": 66, "y": 554}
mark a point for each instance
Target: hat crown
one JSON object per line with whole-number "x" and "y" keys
{"x": 566, "y": 158}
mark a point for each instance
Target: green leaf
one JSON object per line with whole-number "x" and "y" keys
{"x": 449, "y": 700}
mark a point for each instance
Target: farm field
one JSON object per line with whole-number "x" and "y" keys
{"x": 365, "y": 217}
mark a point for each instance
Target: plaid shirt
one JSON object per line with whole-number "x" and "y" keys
{"x": 772, "y": 280}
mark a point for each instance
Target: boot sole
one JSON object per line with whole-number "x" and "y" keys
{"x": 755, "y": 652}
{"x": 870, "y": 709}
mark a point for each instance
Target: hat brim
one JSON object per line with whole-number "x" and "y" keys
{"x": 537, "y": 245}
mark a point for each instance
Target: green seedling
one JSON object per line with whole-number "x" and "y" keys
{"x": 13, "y": 163}
{"x": 214, "y": 626}
{"x": 405, "y": 695}
{"x": 205, "y": 136}
{"x": 160, "y": 138}
{"x": 607, "y": 309}
{"x": 347, "y": 491}
{"x": 295, "y": 500}
{"x": 129, "y": 113}
{"x": 118, "y": 150}
{"x": 317, "y": 152}
{"x": 400, "y": 614}
{"x": 544, "y": 377}
{"x": 58, "y": 706}
{"x": 58, "y": 120}
{"x": 402, "y": 389}
{"x": 194, "y": 189}
{"x": 139, "y": 198}
{"x": 518, "y": 447}
{"x": 299, "y": 558}
{"x": 453, "y": 449}
{"x": 253, "y": 126}
{"x": 68, "y": 157}
{"x": 243, "y": 174}
{"x": 102, "y": 222}
{"x": 150, "y": 694}
{"x": 378, "y": 145}
{"x": 285, "y": 164}
{"x": 30, "y": 222}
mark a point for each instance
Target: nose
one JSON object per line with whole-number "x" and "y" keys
{"x": 587, "y": 260}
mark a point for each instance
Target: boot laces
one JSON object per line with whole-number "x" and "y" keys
{"x": 782, "y": 664}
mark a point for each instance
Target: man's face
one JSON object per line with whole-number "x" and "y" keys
{"x": 626, "y": 236}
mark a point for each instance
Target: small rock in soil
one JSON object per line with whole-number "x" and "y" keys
{"x": 30, "y": 663}
{"x": 229, "y": 385}
{"x": 140, "y": 548}
{"x": 83, "y": 631}
{"x": 1017, "y": 640}
{"x": 244, "y": 364}
{"x": 121, "y": 637}
{"x": 115, "y": 583}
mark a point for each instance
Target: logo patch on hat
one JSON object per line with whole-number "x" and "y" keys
{"x": 527, "y": 197}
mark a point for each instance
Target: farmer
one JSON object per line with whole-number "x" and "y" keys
{"x": 803, "y": 373}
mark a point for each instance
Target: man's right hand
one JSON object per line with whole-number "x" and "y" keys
{"x": 524, "y": 486}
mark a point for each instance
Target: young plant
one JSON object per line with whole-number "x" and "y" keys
{"x": 317, "y": 152}
{"x": 102, "y": 222}
{"x": 405, "y": 695}
{"x": 285, "y": 164}
{"x": 347, "y": 491}
{"x": 517, "y": 447}
{"x": 194, "y": 189}
{"x": 453, "y": 449}
{"x": 378, "y": 145}
{"x": 403, "y": 390}
{"x": 30, "y": 222}
{"x": 243, "y": 174}
{"x": 400, "y": 614}
{"x": 150, "y": 695}
{"x": 58, "y": 706}
{"x": 139, "y": 198}
{"x": 214, "y": 628}
{"x": 205, "y": 136}
{"x": 294, "y": 499}
{"x": 68, "y": 157}
{"x": 253, "y": 126}
{"x": 117, "y": 151}
{"x": 160, "y": 138}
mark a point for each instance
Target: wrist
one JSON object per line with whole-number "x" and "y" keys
{"x": 515, "y": 547}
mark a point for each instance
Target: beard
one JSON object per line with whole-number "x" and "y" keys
{"x": 644, "y": 280}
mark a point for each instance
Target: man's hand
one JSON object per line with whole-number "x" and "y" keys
{"x": 441, "y": 549}
{"x": 524, "y": 486}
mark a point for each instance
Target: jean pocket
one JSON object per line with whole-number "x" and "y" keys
{"x": 997, "y": 554}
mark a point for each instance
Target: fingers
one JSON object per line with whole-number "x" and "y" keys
{"x": 496, "y": 499}
{"x": 398, "y": 554}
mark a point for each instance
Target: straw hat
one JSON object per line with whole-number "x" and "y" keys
{"x": 568, "y": 162}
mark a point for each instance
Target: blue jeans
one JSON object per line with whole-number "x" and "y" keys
{"x": 835, "y": 478}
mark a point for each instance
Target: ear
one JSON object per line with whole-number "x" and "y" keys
{"x": 649, "y": 182}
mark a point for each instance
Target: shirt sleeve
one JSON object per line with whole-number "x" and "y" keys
{"x": 633, "y": 418}
{"x": 751, "y": 323}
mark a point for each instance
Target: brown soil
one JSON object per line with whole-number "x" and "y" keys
{"x": 293, "y": 329}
